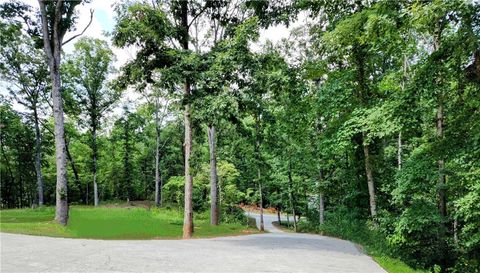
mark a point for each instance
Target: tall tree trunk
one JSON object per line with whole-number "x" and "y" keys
{"x": 188, "y": 214}
{"x": 262, "y": 225}
{"x": 442, "y": 198}
{"x": 321, "y": 206}
{"x": 213, "y": 176}
{"x": 61, "y": 211}
{"x": 94, "y": 158}
{"x": 371, "y": 186}
{"x": 158, "y": 175}
{"x": 399, "y": 154}
{"x": 53, "y": 52}
{"x": 158, "y": 184}
{"x": 38, "y": 157}
{"x": 290, "y": 195}
{"x": 259, "y": 176}
{"x": 404, "y": 80}
{"x": 278, "y": 217}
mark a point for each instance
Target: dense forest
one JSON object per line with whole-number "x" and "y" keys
{"x": 367, "y": 113}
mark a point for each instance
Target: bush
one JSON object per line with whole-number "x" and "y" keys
{"x": 233, "y": 215}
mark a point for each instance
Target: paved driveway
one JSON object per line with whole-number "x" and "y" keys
{"x": 271, "y": 252}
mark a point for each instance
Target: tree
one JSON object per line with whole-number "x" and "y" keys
{"x": 88, "y": 69}
{"x": 164, "y": 43}
{"x": 57, "y": 17}
{"x": 24, "y": 67}
{"x": 17, "y": 164}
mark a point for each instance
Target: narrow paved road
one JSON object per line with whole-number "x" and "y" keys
{"x": 276, "y": 251}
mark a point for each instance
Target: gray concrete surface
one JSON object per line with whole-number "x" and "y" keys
{"x": 276, "y": 251}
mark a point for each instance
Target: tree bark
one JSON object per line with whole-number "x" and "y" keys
{"x": 213, "y": 176}
{"x": 262, "y": 225}
{"x": 188, "y": 214}
{"x": 257, "y": 151}
{"x": 52, "y": 49}
{"x": 61, "y": 212}
{"x": 371, "y": 186}
{"x": 279, "y": 218}
{"x": 158, "y": 186}
{"x": 38, "y": 157}
{"x": 442, "y": 199}
{"x": 404, "y": 79}
{"x": 290, "y": 195}
{"x": 94, "y": 158}
{"x": 321, "y": 207}
{"x": 399, "y": 155}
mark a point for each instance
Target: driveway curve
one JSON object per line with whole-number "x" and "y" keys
{"x": 275, "y": 251}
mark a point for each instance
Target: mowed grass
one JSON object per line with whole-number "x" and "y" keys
{"x": 113, "y": 223}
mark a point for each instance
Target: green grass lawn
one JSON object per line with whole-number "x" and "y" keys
{"x": 113, "y": 223}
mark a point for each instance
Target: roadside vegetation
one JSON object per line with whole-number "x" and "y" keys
{"x": 372, "y": 241}
{"x": 115, "y": 223}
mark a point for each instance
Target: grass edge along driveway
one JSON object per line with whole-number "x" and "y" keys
{"x": 114, "y": 223}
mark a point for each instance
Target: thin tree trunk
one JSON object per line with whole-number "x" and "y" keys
{"x": 442, "y": 202}
{"x": 321, "y": 207}
{"x": 455, "y": 232}
{"x": 213, "y": 176}
{"x": 399, "y": 155}
{"x": 188, "y": 214}
{"x": 38, "y": 157}
{"x": 442, "y": 198}
{"x": 404, "y": 79}
{"x": 371, "y": 186}
{"x": 262, "y": 225}
{"x": 220, "y": 198}
{"x": 290, "y": 195}
{"x": 94, "y": 155}
{"x": 158, "y": 186}
{"x": 257, "y": 151}
{"x": 74, "y": 168}
{"x": 279, "y": 218}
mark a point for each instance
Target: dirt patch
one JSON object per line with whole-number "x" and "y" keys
{"x": 256, "y": 209}
{"x": 282, "y": 228}
{"x": 131, "y": 204}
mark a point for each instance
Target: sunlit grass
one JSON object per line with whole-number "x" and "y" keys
{"x": 112, "y": 223}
